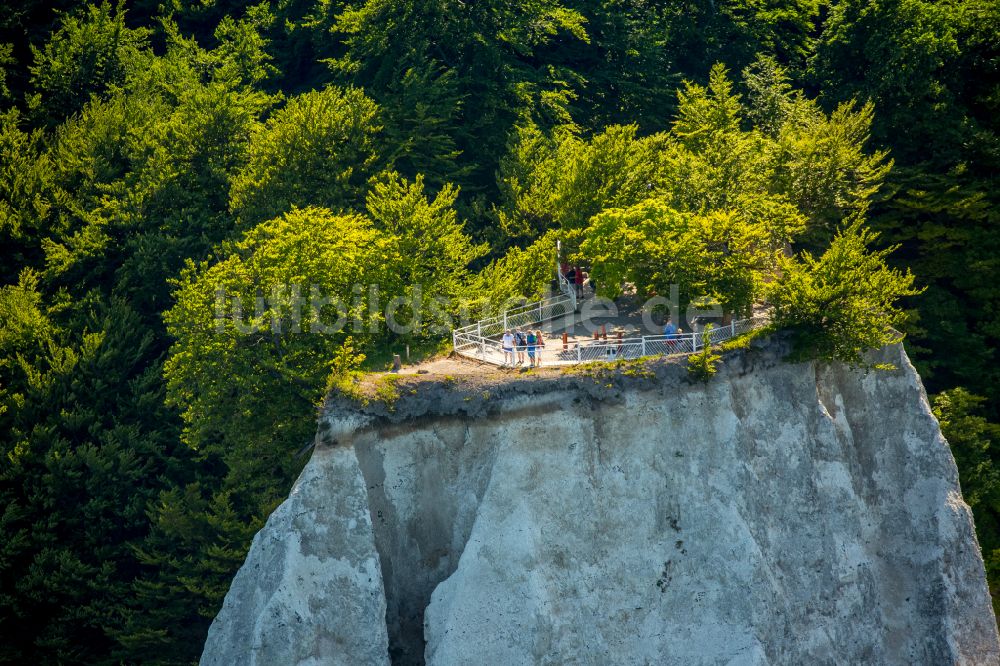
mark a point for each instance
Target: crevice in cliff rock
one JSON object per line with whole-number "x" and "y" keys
{"x": 424, "y": 488}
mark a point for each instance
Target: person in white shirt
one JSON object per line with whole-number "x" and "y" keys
{"x": 508, "y": 347}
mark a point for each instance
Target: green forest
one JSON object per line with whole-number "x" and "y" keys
{"x": 156, "y": 155}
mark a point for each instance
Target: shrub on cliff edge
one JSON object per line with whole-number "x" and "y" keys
{"x": 845, "y": 302}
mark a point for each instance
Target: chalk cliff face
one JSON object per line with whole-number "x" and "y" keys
{"x": 779, "y": 514}
{"x": 310, "y": 591}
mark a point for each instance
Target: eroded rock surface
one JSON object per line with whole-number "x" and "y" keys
{"x": 310, "y": 591}
{"x": 779, "y": 514}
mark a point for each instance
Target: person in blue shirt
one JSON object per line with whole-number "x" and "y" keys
{"x": 520, "y": 344}
{"x": 670, "y": 330}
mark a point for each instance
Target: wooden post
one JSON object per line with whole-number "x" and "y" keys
{"x": 565, "y": 337}
{"x": 396, "y": 363}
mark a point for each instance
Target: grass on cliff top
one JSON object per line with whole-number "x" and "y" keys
{"x": 603, "y": 370}
{"x": 379, "y": 359}
{"x": 364, "y": 388}
{"x": 367, "y": 379}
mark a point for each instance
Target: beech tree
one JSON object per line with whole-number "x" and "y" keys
{"x": 711, "y": 159}
{"x": 91, "y": 52}
{"x": 320, "y": 149}
{"x": 273, "y": 312}
{"x": 843, "y": 303}
{"x": 722, "y": 257}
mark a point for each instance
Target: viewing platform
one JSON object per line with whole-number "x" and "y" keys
{"x": 584, "y": 328}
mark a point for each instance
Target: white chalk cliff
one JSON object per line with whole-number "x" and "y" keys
{"x": 778, "y": 514}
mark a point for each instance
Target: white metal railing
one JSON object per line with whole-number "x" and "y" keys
{"x": 529, "y": 314}
{"x": 468, "y": 341}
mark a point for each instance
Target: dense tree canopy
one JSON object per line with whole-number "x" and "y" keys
{"x": 933, "y": 71}
{"x": 310, "y": 157}
{"x": 320, "y": 149}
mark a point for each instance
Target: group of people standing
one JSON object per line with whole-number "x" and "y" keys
{"x": 520, "y": 342}
{"x": 576, "y": 277}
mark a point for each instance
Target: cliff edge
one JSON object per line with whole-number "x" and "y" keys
{"x": 780, "y": 513}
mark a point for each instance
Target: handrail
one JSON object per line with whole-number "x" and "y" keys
{"x": 481, "y": 347}
{"x": 477, "y": 340}
{"x": 555, "y": 304}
